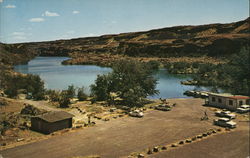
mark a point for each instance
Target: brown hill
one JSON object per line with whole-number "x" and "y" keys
{"x": 214, "y": 40}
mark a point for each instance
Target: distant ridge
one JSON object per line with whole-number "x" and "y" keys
{"x": 214, "y": 40}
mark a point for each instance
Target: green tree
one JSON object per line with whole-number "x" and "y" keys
{"x": 64, "y": 100}
{"x": 54, "y": 95}
{"x": 35, "y": 86}
{"x": 71, "y": 91}
{"x": 153, "y": 64}
{"x": 32, "y": 83}
{"x": 233, "y": 76}
{"x": 66, "y": 96}
{"x": 240, "y": 72}
{"x": 131, "y": 80}
{"x": 10, "y": 85}
{"x": 81, "y": 95}
{"x": 100, "y": 90}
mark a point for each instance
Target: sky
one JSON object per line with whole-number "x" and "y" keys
{"x": 46, "y": 20}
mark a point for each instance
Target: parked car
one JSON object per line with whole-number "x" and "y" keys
{"x": 112, "y": 109}
{"x": 125, "y": 108}
{"x": 225, "y": 122}
{"x": 226, "y": 114}
{"x": 29, "y": 96}
{"x": 136, "y": 113}
{"x": 163, "y": 107}
{"x": 197, "y": 94}
{"x": 243, "y": 109}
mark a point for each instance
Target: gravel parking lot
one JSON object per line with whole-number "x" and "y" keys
{"x": 122, "y": 136}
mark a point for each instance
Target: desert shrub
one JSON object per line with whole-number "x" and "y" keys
{"x": 54, "y": 95}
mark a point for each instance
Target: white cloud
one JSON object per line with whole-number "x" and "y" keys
{"x": 48, "y": 13}
{"x": 1, "y": 1}
{"x": 75, "y": 12}
{"x": 36, "y": 19}
{"x": 10, "y": 6}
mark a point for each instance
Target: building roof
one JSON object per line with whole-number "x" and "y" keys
{"x": 221, "y": 94}
{"x": 228, "y": 95}
{"x": 55, "y": 116}
{"x": 223, "y": 119}
{"x": 239, "y": 97}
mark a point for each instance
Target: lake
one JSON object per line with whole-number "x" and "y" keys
{"x": 57, "y": 76}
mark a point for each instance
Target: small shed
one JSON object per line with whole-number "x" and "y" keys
{"x": 51, "y": 122}
{"x": 227, "y": 101}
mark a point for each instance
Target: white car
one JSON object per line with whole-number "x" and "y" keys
{"x": 243, "y": 109}
{"x": 226, "y": 114}
{"x": 225, "y": 122}
{"x": 163, "y": 107}
{"x": 136, "y": 113}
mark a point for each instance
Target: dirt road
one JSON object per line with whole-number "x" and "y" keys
{"x": 123, "y": 136}
{"x": 40, "y": 105}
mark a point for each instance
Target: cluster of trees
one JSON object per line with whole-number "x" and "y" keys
{"x": 233, "y": 76}
{"x": 188, "y": 68}
{"x": 153, "y": 65}
{"x": 130, "y": 80}
{"x": 239, "y": 72}
{"x": 64, "y": 97}
{"x": 32, "y": 84}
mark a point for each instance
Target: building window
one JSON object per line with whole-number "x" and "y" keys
{"x": 247, "y": 102}
{"x": 230, "y": 102}
{"x": 241, "y": 102}
{"x": 213, "y": 99}
{"x": 219, "y": 100}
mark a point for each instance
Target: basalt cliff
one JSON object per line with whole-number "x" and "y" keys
{"x": 212, "y": 40}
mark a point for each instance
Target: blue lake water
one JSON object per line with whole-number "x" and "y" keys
{"x": 58, "y": 76}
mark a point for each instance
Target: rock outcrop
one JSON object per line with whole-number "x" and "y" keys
{"x": 31, "y": 110}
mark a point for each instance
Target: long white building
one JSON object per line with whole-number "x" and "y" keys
{"x": 227, "y": 101}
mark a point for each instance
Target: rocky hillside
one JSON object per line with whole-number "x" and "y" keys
{"x": 212, "y": 40}
{"x": 13, "y": 54}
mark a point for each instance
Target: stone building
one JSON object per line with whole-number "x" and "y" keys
{"x": 51, "y": 122}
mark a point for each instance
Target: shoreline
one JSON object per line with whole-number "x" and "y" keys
{"x": 107, "y": 59}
